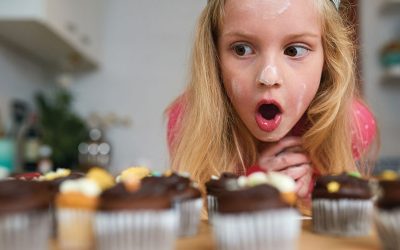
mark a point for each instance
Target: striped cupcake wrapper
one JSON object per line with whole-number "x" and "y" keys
{"x": 25, "y": 231}
{"x": 188, "y": 216}
{"x": 144, "y": 230}
{"x": 342, "y": 217}
{"x": 266, "y": 230}
{"x": 387, "y": 225}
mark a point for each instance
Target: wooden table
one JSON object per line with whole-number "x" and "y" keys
{"x": 308, "y": 240}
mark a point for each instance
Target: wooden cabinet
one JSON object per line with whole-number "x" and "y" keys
{"x": 63, "y": 34}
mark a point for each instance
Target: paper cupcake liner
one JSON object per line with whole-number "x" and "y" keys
{"x": 25, "y": 231}
{"x": 342, "y": 217}
{"x": 188, "y": 216}
{"x": 144, "y": 230}
{"x": 266, "y": 230}
{"x": 387, "y": 225}
{"x": 75, "y": 228}
{"x": 212, "y": 206}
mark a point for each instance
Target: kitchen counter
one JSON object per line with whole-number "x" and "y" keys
{"x": 307, "y": 241}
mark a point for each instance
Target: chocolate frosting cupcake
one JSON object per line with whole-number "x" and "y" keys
{"x": 179, "y": 188}
{"x": 217, "y": 187}
{"x": 54, "y": 185}
{"x": 258, "y": 198}
{"x": 20, "y": 196}
{"x": 72, "y": 176}
{"x": 389, "y": 194}
{"x": 153, "y": 197}
{"x": 341, "y": 186}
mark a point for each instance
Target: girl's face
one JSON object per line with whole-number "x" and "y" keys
{"x": 271, "y": 59}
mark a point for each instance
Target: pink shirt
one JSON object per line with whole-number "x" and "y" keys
{"x": 363, "y": 119}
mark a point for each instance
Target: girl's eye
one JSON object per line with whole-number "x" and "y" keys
{"x": 242, "y": 49}
{"x": 296, "y": 51}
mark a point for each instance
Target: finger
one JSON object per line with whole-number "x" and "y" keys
{"x": 303, "y": 186}
{"x": 294, "y": 149}
{"x": 285, "y": 160}
{"x": 287, "y": 142}
{"x": 297, "y": 172}
{"x": 291, "y": 143}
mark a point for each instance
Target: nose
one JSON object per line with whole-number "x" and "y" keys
{"x": 270, "y": 76}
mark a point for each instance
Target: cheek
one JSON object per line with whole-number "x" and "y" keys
{"x": 236, "y": 92}
{"x": 236, "y": 87}
{"x": 306, "y": 87}
{"x": 239, "y": 96}
{"x": 303, "y": 97}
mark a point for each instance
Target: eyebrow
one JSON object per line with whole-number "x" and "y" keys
{"x": 306, "y": 34}
{"x": 237, "y": 33}
{"x": 290, "y": 36}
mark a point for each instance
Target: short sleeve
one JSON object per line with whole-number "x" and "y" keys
{"x": 174, "y": 113}
{"x": 363, "y": 131}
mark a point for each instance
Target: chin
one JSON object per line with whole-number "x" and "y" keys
{"x": 270, "y": 137}
{"x": 273, "y": 136}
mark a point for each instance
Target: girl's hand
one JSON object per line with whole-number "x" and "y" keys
{"x": 288, "y": 157}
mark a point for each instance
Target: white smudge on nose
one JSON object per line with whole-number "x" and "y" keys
{"x": 269, "y": 75}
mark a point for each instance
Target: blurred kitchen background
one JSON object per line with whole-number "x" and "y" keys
{"x": 86, "y": 82}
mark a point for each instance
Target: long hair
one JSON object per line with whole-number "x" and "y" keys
{"x": 329, "y": 139}
{"x": 211, "y": 137}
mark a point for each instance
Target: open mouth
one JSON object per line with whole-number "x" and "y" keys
{"x": 269, "y": 111}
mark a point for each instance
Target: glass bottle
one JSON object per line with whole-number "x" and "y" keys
{"x": 31, "y": 141}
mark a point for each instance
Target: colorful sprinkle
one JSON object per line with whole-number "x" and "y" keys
{"x": 333, "y": 187}
{"x": 355, "y": 174}
{"x": 169, "y": 172}
{"x": 101, "y": 177}
{"x": 132, "y": 183}
{"x": 389, "y": 175}
{"x": 139, "y": 171}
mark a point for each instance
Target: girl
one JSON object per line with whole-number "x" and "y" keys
{"x": 272, "y": 88}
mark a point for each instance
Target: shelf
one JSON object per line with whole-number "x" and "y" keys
{"x": 391, "y": 75}
{"x": 43, "y": 43}
{"x": 62, "y": 34}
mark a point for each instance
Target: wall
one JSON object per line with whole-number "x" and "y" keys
{"x": 144, "y": 66}
{"x": 146, "y": 45}
{"x": 145, "y": 54}
{"x": 20, "y": 78}
{"x": 380, "y": 23}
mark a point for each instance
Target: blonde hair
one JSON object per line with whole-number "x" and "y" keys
{"x": 211, "y": 137}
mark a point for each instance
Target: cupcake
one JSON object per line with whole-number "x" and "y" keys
{"x": 387, "y": 211}
{"x": 76, "y": 204}
{"x": 135, "y": 216}
{"x": 24, "y": 215}
{"x": 255, "y": 218}
{"x": 342, "y": 205}
{"x": 54, "y": 180}
{"x": 285, "y": 184}
{"x": 135, "y": 172}
{"x": 59, "y": 176}
{"x": 215, "y": 187}
{"x": 186, "y": 200}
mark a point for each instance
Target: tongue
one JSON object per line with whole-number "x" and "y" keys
{"x": 269, "y": 111}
